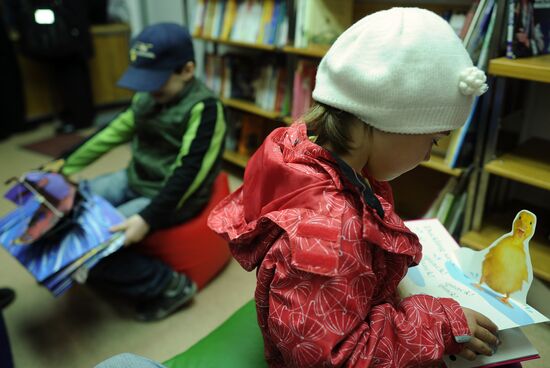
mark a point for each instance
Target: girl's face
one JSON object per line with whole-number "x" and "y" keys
{"x": 389, "y": 155}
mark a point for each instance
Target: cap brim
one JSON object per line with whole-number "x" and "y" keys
{"x": 143, "y": 80}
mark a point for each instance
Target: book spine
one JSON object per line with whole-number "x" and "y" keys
{"x": 510, "y": 30}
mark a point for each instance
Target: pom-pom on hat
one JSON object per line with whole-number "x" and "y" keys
{"x": 402, "y": 70}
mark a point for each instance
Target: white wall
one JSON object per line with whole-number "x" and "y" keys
{"x": 157, "y": 11}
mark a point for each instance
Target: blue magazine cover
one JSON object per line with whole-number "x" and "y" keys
{"x": 83, "y": 242}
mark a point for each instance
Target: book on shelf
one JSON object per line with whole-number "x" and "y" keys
{"x": 58, "y": 231}
{"x": 460, "y": 151}
{"x": 303, "y": 85}
{"x": 436, "y": 204}
{"x": 213, "y": 70}
{"x": 270, "y": 86}
{"x": 523, "y": 39}
{"x": 468, "y": 19}
{"x": 480, "y": 31}
{"x": 234, "y": 126}
{"x": 479, "y": 281}
{"x": 469, "y": 32}
{"x": 209, "y": 20}
{"x": 262, "y": 80}
{"x": 230, "y": 12}
{"x": 490, "y": 37}
{"x": 240, "y": 71}
{"x": 199, "y": 17}
{"x": 541, "y": 20}
{"x": 319, "y": 23}
{"x": 252, "y": 21}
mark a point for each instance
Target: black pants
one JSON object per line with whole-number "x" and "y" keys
{"x": 131, "y": 274}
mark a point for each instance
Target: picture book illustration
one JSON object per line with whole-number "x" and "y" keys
{"x": 57, "y": 229}
{"x": 505, "y": 266}
{"x": 493, "y": 281}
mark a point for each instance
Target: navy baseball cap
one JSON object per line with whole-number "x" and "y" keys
{"x": 155, "y": 54}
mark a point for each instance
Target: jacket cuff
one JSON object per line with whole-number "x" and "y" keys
{"x": 457, "y": 332}
{"x": 151, "y": 218}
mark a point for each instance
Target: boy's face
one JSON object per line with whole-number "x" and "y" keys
{"x": 174, "y": 84}
{"x": 392, "y": 155}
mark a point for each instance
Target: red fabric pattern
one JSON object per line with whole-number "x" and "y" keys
{"x": 328, "y": 265}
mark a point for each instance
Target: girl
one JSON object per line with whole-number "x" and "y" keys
{"x": 315, "y": 216}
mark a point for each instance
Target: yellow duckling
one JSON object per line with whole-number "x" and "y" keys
{"x": 504, "y": 268}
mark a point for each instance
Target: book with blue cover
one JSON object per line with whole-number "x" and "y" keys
{"x": 58, "y": 231}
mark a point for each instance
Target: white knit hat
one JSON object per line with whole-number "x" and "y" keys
{"x": 402, "y": 70}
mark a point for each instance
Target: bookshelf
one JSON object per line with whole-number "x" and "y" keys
{"x": 249, "y": 45}
{"x": 293, "y": 53}
{"x": 527, "y": 163}
{"x": 535, "y": 69}
{"x": 250, "y": 107}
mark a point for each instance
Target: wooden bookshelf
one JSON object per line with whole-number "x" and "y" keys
{"x": 535, "y": 68}
{"x": 316, "y": 52}
{"x": 528, "y": 164}
{"x": 251, "y": 108}
{"x": 492, "y": 229}
{"x": 437, "y": 163}
{"x": 248, "y": 45}
{"x": 235, "y": 158}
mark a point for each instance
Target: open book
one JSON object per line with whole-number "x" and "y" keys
{"x": 56, "y": 231}
{"x": 493, "y": 281}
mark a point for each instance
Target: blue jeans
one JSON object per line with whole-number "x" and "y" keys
{"x": 127, "y": 360}
{"x": 126, "y": 272}
{"x": 115, "y": 189}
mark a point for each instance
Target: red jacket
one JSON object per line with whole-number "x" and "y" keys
{"x": 329, "y": 255}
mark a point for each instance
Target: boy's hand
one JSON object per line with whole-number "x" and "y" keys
{"x": 484, "y": 340}
{"x": 135, "y": 228}
{"x": 53, "y": 166}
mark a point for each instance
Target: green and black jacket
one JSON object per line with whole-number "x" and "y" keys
{"x": 176, "y": 151}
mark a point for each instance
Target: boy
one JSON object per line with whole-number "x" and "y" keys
{"x": 176, "y": 127}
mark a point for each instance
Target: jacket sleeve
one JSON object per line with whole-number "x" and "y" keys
{"x": 117, "y": 132}
{"x": 331, "y": 320}
{"x": 201, "y": 146}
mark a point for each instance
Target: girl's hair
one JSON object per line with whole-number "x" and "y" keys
{"x": 331, "y": 126}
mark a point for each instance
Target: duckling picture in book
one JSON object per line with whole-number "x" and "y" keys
{"x": 493, "y": 281}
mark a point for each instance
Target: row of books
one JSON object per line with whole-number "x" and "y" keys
{"x": 254, "y": 21}
{"x": 528, "y": 28}
{"x": 265, "y": 83}
{"x": 480, "y": 38}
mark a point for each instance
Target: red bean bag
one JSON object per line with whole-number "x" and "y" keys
{"x": 192, "y": 248}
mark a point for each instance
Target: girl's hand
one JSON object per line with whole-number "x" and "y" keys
{"x": 484, "y": 340}
{"x": 135, "y": 228}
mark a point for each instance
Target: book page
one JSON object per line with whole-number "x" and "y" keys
{"x": 440, "y": 274}
{"x": 514, "y": 347}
